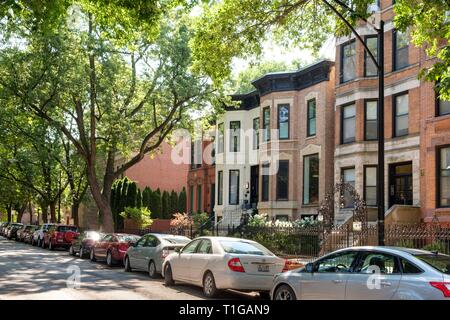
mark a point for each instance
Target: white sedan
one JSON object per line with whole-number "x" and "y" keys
{"x": 218, "y": 263}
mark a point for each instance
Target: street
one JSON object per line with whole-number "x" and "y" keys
{"x": 32, "y": 273}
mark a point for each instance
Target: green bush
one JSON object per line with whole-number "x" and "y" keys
{"x": 436, "y": 246}
{"x": 142, "y": 216}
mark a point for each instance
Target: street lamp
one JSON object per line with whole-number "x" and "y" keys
{"x": 379, "y": 63}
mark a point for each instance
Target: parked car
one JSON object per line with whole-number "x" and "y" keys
{"x": 112, "y": 247}
{"x": 28, "y": 233}
{"x": 217, "y": 263}
{"x": 83, "y": 243}
{"x": 379, "y": 273}
{"x": 3, "y": 227}
{"x": 59, "y": 236}
{"x": 38, "y": 236}
{"x": 12, "y": 230}
{"x": 150, "y": 251}
{"x": 22, "y": 231}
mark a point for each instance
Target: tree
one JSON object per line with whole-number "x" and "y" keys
{"x": 131, "y": 195}
{"x": 156, "y": 205}
{"x": 165, "y": 199}
{"x": 428, "y": 24}
{"x": 182, "y": 201}
{"x": 146, "y": 197}
{"x": 173, "y": 203}
{"x": 138, "y": 199}
{"x": 109, "y": 73}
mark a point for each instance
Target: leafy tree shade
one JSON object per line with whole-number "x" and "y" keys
{"x": 182, "y": 201}
{"x": 428, "y": 23}
{"x": 97, "y": 78}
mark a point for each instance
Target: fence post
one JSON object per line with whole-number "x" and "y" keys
{"x": 348, "y": 235}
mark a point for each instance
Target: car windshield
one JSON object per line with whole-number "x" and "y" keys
{"x": 127, "y": 238}
{"x": 94, "y": 235}
{"x": 67, "y": 228}
{"x": 243, "y": 247}
{"x": 17, "y": 225}
{"x": 439, "y": 262}
{"x": 177, "y": 240}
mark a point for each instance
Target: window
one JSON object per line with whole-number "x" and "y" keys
{"x": 255, "y": 133}
{"x": 235, "y": 134}
{"x": 401, "y": 114}
{"x": 265, "y": 182}
{"x": 311, "y": 179}
{"x": 233, "y": 191}
{"x": 205, "y": 247}
{"x": 443, "y": 188}
{"x": 311, "y": 115}
{"x": 371, "y": 123}
{"x": 348, "y": 61}
{"x": 348, "y": 176}
{"x": 191, "y": 199}
{"x": 337, "y": 263}
{"x": 374, "y": 262}
{"x": 442, "y": 106}
{"x": 220, "y": 138}
{"x": 370, "y": 68}
{"x": 348, "y": 124}
{"x": 266, "y": 124}
{"x": 370, "y": 185}
{"x": 191, "y": 246}
{"x": 193, "y": 166}
{"x": 199, "y": 198}
{"x": 282, "y": 217}
{"x": 151, "y": 241}
{"x": 283, "y": 180}
{"x": 400, "y": 41}
{"x": 283, "y": 121}
{"x": 409, "y": 268}
{"x": 220, "y": 188}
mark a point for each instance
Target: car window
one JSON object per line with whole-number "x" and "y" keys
{"x": 107, "y": 238}
{"x": 377, "y": 262}
{"x": 67, "y": 228}
{"x": 244, "y": 247}
{"x": 439, "y": 262}
{"x": 409, "y": 267}
{"x": 191, "y": 247}
{"x": 127, "y": 238}
{"x": 152, "y": 241}
{"x": 205, "y": 247}
{"x": 337, "y": 263}
{"x": 141, "y": 242}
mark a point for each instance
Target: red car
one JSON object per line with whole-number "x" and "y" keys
{"x": 112, "y": 247}
{"x": 59, "y": 236}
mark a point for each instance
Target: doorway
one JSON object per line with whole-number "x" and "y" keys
{"x": 400, "y": 184}
{"x": 254, "y": 185}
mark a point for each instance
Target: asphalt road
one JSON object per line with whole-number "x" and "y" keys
{"x": 33, "y": 273}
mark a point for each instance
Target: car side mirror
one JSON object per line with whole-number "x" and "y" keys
{"x": 132, "y": 244}
{"x": 178, "y": 249}
{"x": 309, "y": 268}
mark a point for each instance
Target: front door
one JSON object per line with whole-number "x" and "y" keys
{"x": 212, "y": 198}
{"x": 400, "y": 184}
{"x": 254, "y": 185}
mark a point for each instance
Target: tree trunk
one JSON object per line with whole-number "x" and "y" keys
{"x": 20, "y": 213}
{"x": 30, "y": 208}
{"x": 75, "y": 207}
{"x": 44, "y": 213}
{"x": 53, "y": 212}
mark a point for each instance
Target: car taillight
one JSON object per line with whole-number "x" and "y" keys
{"x": 443, "y": 286}
{"x": 123, "y": 247}
{"x": 286, "y": 267}
{"x": 235, "y": 265}
{"x": 165, "y": 252}
{"x": 58, "y": 234}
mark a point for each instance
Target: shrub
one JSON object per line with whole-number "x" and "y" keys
{"x": 181, "y": 220}
{"x": 200, "y": 218}
{"x": 258, "y": 220}
{"x": 436, "y": 246}
{"x": 141, "y": 216}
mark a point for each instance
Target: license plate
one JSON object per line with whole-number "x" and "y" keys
{"x": 263, "y": 268}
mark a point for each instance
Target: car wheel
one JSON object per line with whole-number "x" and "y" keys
{"x": 209, "y": 285}
{"x": 152, "y": 270}
{"x": 284, "y": 292}
{"x": 81, "y": 253}
{"x": 93, "y": 255}
{"x": 127, "y": 264}
{"x": 168, "y": 277}
{"x": 71, "y": 251}
{"x": 109, "y": 259}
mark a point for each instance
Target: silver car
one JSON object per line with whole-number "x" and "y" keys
{"x": 219, "y": 263}
{"x": 150, "y": 251}
{"x": 368, "y": 273}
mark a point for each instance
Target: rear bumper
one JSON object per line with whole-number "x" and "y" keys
{"x": 243, "y": 281}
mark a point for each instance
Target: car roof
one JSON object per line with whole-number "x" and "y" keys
{"x": 224, "y": 238}
{"x": 388, "y": 249}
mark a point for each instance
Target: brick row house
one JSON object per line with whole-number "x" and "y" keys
{"x": 275, "y": 151}
{"x": 416, "y": 128}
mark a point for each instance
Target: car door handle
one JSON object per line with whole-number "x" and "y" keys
{"x": 385, "y": 284}
{"x": 337, "y": 281}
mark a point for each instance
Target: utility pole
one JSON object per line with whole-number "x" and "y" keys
{"x": 379, "y": 63}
